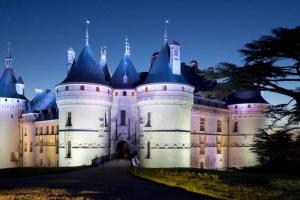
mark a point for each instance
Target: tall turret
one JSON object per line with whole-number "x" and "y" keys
{"x": 124, "y": 113}
{"x": 165, "y": 101}
{"x": 84, "y": 101}
{"x": 12, "y": 104}
{"x": 246, "y": 117}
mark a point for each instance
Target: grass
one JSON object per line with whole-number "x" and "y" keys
{"x": 34, "y": 171}
{"x": 226, "y": 185}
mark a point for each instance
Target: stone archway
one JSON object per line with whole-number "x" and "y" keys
{"x": 123, "y": 150}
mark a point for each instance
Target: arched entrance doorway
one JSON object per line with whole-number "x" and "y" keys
{"x": 123, "y": 150}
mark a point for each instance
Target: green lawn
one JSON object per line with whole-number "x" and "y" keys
{"x": 34, "y": 171}
{"x": 227, "y": 185}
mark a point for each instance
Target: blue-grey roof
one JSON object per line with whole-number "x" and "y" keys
{"x": 43, "y": 101}
{"x": 85, "y": 69}
{"x": 20, "y": 80}
{"x": 161, "y": 70}
{"x": 8, "y": 85}
{"x": 125, "y": 68}
{"x": 241, "y": 97}
{"x": 196, "y": 78}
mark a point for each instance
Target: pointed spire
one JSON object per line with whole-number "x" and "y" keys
{"x": 8, "y": 58}
{"x": 87, "y": 33}
{"x": 166, "y": 32}
{"x": 127, "y": 47}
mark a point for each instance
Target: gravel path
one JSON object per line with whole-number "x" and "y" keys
{"x": 112, "y": 182}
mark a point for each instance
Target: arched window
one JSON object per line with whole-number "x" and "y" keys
{"x": 124, "y": 93}
{"x": 236, "y": 107}
{"x": 67, "y": 88}
{"x": 146, "y": 89}
{"x": 249, "y": 106}
{"x": 235, "y": 127}
{"x": 97, "y": 89}
{"x": 132, "y": 93}
{"x": 81, "y": 87}
{"x": 182, "y": 88}
{"x": 116, "y": 93}
{"x": 164, "y": 88}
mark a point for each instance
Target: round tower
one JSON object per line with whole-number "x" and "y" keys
{"x": 12, "y": 104}
{"x": 246, "y": 117}
{"x": 165, "y": 101}
{"x": 84, "y": 102}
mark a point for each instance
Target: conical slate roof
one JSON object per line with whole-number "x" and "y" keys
{"x": 241, "y": 97}
{"x": 8, "y": 85}
{"x": 85, "y": 69}
{"x": 20, "y": 80}
{"x": 161, "y": 71}
{"x": 125, "y": 75}
{"x": 43, "y": 101}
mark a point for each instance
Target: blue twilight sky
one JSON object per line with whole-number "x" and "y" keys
{"x": 209, "y": 31}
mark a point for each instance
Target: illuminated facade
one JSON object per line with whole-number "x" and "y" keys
{"x": 160, "y": 115}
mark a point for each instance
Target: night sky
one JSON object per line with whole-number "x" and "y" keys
{"x": 209, "y": 31}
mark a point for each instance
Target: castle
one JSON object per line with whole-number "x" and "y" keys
{"x": 159, "y": 114}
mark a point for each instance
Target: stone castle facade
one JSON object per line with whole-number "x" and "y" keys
{"x": 159, "y": 114}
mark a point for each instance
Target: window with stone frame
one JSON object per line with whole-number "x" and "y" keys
{"x": 219, "y": 144}
{"x": 56, "y": 146}
{"x": 202, "y": 144}
{"x": 69, "y": 119}
{"x": 41, "y": 146}
{"x": 219, "y": 125}
{"x": 69, "y": 149}
{"x": 235, "y": 127}
{"x": 202, "y": 124}
{"x": 148, "y": 150}
{"x": 123, "y": 117}
{"x": 148, "y": 124}
{"x": 52, "y": 130}
{"x": 31, "y": 147}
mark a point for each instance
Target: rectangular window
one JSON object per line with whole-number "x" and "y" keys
{"x": 202, "y": 124}
{"x": 123, "y": 117}
{"x": 69, "y": 119}
{"x": 148, "y": 124}
{"x": 25, "y": 147}
{"x": 36, "y": 131}
{"x": 69, "y": 149}
{"x": 47, "y": 130}
{"x": 105, "y": 120}
{"x": 219, "y": 142}
{"x": 202, "y": 139}
{"x": 56, "y": 146}
{"x": 41, "y": 146}
{"x": 31, "y": 147}
{"x": 148, "y": 150}
{"x": 57, "y": 129}
{"x": 219, "y": 126}
{"x": 52, "y": 130}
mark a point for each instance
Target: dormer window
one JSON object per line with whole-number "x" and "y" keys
{"x": 81, "y": 87}
{"x": 125, "y": 79}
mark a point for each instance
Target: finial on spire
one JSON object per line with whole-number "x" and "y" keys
{"x": 166, "y": 32}
{"x": 8, "y": 48}
{"x": 87, "y": 32}
{"x": 127, "y": 46}
{"x": 8, "y": 59}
